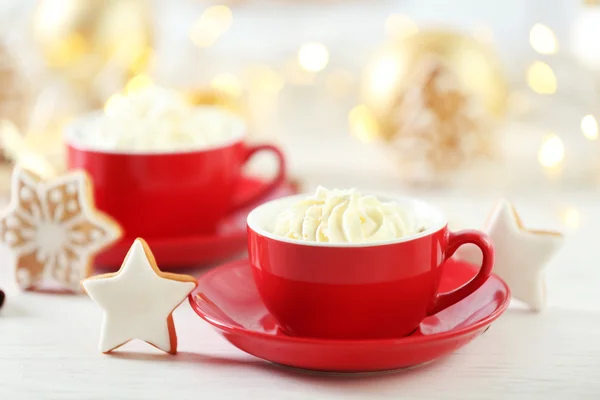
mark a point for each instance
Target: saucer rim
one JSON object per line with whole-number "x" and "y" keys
{"x": 196, "y": 238}
{"x": 486, "y": 321}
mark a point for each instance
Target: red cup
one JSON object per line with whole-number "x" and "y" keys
{"x": 170, "y": 194}
{"x": 357, "y": 291}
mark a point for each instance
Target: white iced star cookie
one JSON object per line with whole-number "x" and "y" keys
{"x": 521, "y": 254}
{"x": 54, "y": 230}
{"x": 138, "y": 301}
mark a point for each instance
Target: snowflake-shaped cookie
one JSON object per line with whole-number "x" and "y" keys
{"x": 54, "y": 230}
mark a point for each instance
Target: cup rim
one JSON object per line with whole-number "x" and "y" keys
{"x": 253, "y": 222}
{"x": 72, "y": 140}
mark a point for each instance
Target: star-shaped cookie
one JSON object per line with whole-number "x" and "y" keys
{"x": 521, "y": 254}
{"x": 53, "y": 230}
{"x": 138, "y": 301}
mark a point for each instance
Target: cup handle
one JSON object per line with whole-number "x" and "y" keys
{"x": 455, "y": 240}
{"x": 272, "y": 185}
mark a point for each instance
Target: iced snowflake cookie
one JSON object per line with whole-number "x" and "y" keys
{"x": 54, "y": 230}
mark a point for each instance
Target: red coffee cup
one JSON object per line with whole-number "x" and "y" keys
{"x": 169, "y": 194}
{"x": 357, "y": 291}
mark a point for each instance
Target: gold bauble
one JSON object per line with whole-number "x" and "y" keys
{"x": 435, "y": 128}
{"x": 82, "y": 38}
{"x": 473, "y": 63}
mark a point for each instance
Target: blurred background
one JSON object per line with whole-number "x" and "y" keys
{"x": 462, "y": 98}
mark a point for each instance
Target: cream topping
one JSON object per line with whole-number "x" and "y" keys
{"x": 345, "y": 216}
{"x": 157, "y": 119}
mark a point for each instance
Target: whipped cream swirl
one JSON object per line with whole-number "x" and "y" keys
{"x": 345, "y": 216}
{"x": 157, "y": 119}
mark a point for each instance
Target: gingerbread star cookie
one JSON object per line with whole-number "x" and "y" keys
{"x": 53, "y": 230}
{"x": 138, "y": 301}
{"x": 521, "y": 254}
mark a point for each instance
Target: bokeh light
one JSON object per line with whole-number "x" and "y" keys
{"x": 67, "y": 51}
{"x": 542, "y": 39}
{"x": 214, "y": 22}
{"x": 552, "y": 152}
{"x": 363, "y": 124}
{"x": 138, "y": 82}
{"x": 383, "y": 77}
{"x": 541, "y": 78}
{"x": 313, "y": 57}
{"x": 228, "y": 84}
{"x": 571, "y": 218}
{"x": 589, "y": 127}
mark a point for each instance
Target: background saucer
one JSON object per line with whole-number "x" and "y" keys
{"x": 181, "y": 252}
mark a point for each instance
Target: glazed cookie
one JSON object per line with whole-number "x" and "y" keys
{"x": 138, "y": 301}
{"x": 521, "y": 254}
{"x": 53, "y": 229}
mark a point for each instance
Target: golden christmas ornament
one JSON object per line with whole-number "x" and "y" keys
{"x": 475, "y": 66}
{"x": 94, "y": 40}
{"x": 434, "y": 97}
{"x": 435, "y": 126}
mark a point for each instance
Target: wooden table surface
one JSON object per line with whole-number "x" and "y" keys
{"x": 48, "y": 343}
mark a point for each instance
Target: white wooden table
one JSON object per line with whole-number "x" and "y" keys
{"x": 48, "y": 343}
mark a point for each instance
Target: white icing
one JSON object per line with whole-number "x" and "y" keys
{"x": 95, "y": 234}
{"x": 41, "y": 256}
{"x": 63, "y": 262}
{"x": 26, "y": 193}
{"x": 77, "y": 236}
{"x": 23, "y": 278}
{"x": 10, "y": 237}
{"x": 56, "y": 196}
{"x": 60, "y": 272}
{"x": 27, "y": 233}
{"x": 136, "y": 302}
{"x": 59, "y": 213}
{"x": 157, "y": 119}
{"x": 50, "y": 238}
{"x": 74, "y": 276}
{"x": 520, "y": 255}
{"x": 71, "y": 188}
{"x": 35, "y": 212}
{"x": 12, "y": 221}
{"x": 345, "y": 216}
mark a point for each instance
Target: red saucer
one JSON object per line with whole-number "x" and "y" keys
{"x": 171, "y": 253}
{"x": 226, "y": 297}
